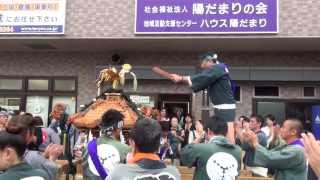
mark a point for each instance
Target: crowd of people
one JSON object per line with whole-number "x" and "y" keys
{"x": 177, "y": 131}
{"x": 218, "y": 147}
{"x": 27, "y": 149}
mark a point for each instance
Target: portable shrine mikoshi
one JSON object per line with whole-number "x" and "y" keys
{"x": 114, "y": 98}
{"x": 90, "y": 117}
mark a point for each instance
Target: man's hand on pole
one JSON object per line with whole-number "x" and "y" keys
{"x": 173, "y": 77}
{"x": 176, "y": 78}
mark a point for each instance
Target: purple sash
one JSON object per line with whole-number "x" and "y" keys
{"x": 297, "y": 142}
{"x": 92, "y": 150}
{"x": 163, "y": 153}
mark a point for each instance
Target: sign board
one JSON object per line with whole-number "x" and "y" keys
{"x": 32, "y": 16}
{"x": 206, "y": 16}
{"x": 316, "y": 121}
{"x": 140, "y": 99}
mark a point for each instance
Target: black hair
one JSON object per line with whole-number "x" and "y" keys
{"x": 192, "y": 121}
{"x": 174, "y": 116}
{"x": 111, "y": 118}
{"x": 208, "y": 56}
{"x": 21, "y": 124}
{"x": 272, "y": 118}
{"x": 188, "y": 114}
{"x": 146, "y": 135}
{"x": 165, "y": 126}
{"x": 37, "y": 133}
{"x": 14, "y": 141}
{"x": 28, "y": 114}
{"x": 258, "y": 118}
{"x": 244, "y": 118}
{"x": 217, "y": 125}
{"x": 184, "y": 118}
{"x": 38, "y": 121}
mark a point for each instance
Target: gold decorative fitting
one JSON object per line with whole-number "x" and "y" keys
{"x": 111, "y": 76}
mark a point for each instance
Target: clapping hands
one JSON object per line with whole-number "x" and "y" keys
{"x": 250, "y": 137}
{"x": 53, "y": 151}
{"x": 312, "y": 149}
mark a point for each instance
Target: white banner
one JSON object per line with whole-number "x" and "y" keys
{"x": 140, "y": 99}
{"x": 32, "y": 16}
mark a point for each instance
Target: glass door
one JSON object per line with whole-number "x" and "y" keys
{"x": 38, "y": 106}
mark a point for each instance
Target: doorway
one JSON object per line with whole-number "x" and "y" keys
{"x": 302, "y": 111}
{"x": 287, "y": 108}
{"x": 176, "y": 104}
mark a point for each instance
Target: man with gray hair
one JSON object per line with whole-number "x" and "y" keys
{"x": 104, "y": 153}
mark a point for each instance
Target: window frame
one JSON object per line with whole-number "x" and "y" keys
{"x": 37, "y": 78}
{"x": 23, "y": 85}
{"x": 25, "y": 92}
{"x": 314, "y": 92}
{"x": 240, "y": 95}
{"x": 267, "y": 96}
{"x": 65, "y": 78}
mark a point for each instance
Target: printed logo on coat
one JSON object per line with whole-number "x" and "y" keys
{"x": 160, "y": 176}
{"x": 109, "y": 157}
{"x": 222, "y": 166}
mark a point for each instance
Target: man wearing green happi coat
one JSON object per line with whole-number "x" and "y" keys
{"x": 104, "y": 153}
{"x": 215, "y": 78}
{"x": 217, "y": 159}
{"x": 287, "y": 160}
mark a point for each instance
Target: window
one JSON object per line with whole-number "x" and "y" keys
{"x": 266, "y": 91}
{"x": 38, "y": 106}
{"x": 38, "y": 95}
{"x": 13, "y": 101}
{"x": 11, "y": 84}
{"x": 38, "y": 84}
{"x": 278, "y": 109}
{"x": 308, "y": 91}
{"x": 10, "y": 103}
{"x": 64, "y": 85}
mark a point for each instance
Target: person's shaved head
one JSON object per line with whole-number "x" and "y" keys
{"x": 296, "y": 126}
{"x": 291, "y": 129}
